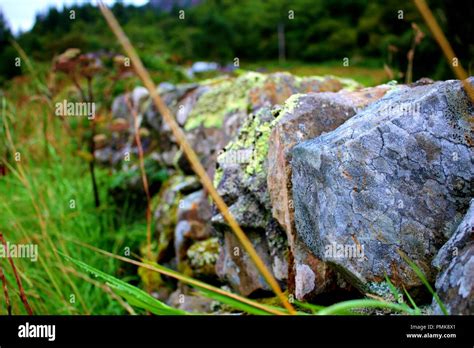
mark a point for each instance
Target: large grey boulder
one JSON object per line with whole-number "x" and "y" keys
{"x": 397, "y": 177}
{"x": 304, "y": 117}
{"x": 455, "y": 282}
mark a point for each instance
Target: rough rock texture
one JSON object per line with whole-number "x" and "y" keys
{"x": 119, "y": 137}
{"x": 181, "y": 100}
{"x": 455, "y": 282}
{"x": 194, "y": 211}
{"x": 397, "y": 176}
{"x": 166, "y": 213}
{"x": 306, "y": 116}
{"x": 222, "y": 109}
{"x": 211, "y": 113}
{"x": 202, "y": 257}
{"x": 241, "y": 179}
{"x": 237, "y": 269}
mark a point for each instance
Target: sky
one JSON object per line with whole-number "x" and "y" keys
{"x": 20, "y": 14}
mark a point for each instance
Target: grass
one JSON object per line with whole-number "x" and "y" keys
{"x": 370, "y": 73}
{"x": 51, "y": 285}
{"x": 71, "y": 279}
{"x": 236, "y": 302}
{"x": 36, "y": 209}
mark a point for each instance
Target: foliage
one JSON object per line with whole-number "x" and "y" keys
{"x": 222, "y": 30}
{"x": 132, "y": 294}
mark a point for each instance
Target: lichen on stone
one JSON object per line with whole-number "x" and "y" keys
{"x": 228, "y": 96}
{"x": 254, "y": 135}
{"x": 381, "y": 289}
{"x": 290, "y": 104}
{"x": 348, "y": 84}
{"x": 203, "y": 256}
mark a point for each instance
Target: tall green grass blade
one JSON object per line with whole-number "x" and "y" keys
{"x": 425, "y": 282}
{"x": 133, "y": 295}
{"x": 154, "y": 267}
{"x": 312, "y": 307}
{"x": 415, "y": 307}
{"x": 248, "y": 306}
{"x": 343, "y": 307}
{"x": 396, "y": 293}
{"x": 235, "y": 304}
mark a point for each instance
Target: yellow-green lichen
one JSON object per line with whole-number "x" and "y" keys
{"x": 290, "y": 104}
{"x": 228, "y": 96}
{"x": 254, "y": 134}
{"x": 253, "y": 137}
{"x": 347, "y": 84}
{"x": 261, "y": 136}
{"x": 217, "y": 176}
{"x": 203, "y": 256}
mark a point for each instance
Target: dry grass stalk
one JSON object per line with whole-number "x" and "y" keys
{"x": 184, "y": 279}
{"x": 5, "y": 292}
{"x": 18, "y": 279}
{"x": 448, "y": 51}
{"x": 144, "y": 177}
{"x": 191, "y": 155}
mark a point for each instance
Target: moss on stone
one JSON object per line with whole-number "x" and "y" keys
{"x": 290, "y": 105}
{"x": 168, "y": 200}
{"x": 218, "y": 176}
{"x": 262, "y": 132}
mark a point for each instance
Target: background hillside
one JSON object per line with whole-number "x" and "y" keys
{"x": 369, "y": 33}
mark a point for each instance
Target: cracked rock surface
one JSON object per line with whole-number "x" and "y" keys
{"x": 455, "y": 283}
{"x": 304, "y": 117}
{"x": 395, "y": 177}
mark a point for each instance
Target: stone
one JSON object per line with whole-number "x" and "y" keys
{"x": 241, "y": 179}
{"x": 395, "y": 177}
{"x": 180, "y": 99}
{"x": 166, "y": 214}
{"x": 194, "y": 211}
{"x": 120, "y": 140}
{"x": 124, "y": 104}
{"x": 224, "y": 105}
{"x": 305, "y": 116}
{"x": 202, "y": 256}
{"x": 241, "y": 182}
{"x": 455, "y": 260}
{"x": 191, "y": 303}
{"x": 236, "y": 268}
{"x": 210, "y": 112}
